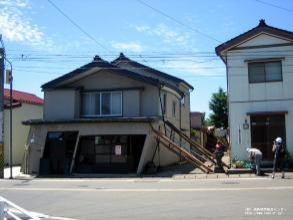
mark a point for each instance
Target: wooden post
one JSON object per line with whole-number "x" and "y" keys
{"x": 74, "y": 154}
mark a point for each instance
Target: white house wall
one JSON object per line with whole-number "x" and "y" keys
{"x": 240, "y": 140}
{"x": 20, "y": 132}
{"x": 258, "y": 97}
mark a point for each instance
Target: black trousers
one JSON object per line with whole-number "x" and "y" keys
{"x": 278, "y": 163}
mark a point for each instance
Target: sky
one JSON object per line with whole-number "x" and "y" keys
{"x": 176, "y": 37}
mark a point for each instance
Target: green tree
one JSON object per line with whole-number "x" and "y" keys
{"x": 218, "y": 106}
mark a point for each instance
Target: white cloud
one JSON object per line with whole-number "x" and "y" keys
{"x": 131, "y": 46}
{"x": 166, "y": 33}
{"x": 16, "y": 27}
{"x": 142, "y": 28}
{"x": 15, "y": 3}
{"x": 195, "y": 67}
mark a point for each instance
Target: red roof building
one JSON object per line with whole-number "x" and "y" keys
{"x": 22, "y": 97}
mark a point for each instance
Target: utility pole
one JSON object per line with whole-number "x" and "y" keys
{"x": 10, "y": 118}
{"x": 10, "y": 79}
{"x": 1, "y": 112}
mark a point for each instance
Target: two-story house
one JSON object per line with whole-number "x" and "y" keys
{"x": 259, "y": 65}
{"x": 98, "y": 119}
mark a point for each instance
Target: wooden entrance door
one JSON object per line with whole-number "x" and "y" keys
{"x": 264, "y": 129}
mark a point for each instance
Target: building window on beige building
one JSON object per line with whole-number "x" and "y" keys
{"x": 174, "y": 105}
{"x": 259, "y": 72}
{"x": 164, "y": 103}
{"x": 183, "y": 101}
{"x": 99, "y": 104}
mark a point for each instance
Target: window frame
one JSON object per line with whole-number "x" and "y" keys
{"x": 182, "y": 101}
{"x": 174, "y": 108}
{"x": 101, "y": 101}
{"x": 265, "y": 73}
{"x": 164, "y": 103}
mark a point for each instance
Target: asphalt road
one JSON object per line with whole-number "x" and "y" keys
{"x": 154, "y": 198}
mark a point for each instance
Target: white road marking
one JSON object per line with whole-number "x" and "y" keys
{"x": 148, "y": 190}
{"x": 41, "y": 215}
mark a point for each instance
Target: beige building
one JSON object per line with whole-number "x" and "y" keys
{"x": 259, "y": 74}
{"x": 25, "y": 106}
{"x": 98, "y": 119}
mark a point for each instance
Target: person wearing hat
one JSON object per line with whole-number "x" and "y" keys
{"x": 255, "y": 155}
{"x": 219, "y": 153}
{"x": 279, "y": 153}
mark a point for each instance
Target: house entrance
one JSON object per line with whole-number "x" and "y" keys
{"x": 109, "y": 153}
{"x": 58, "y": 153}
{"x": 264, "y": 129}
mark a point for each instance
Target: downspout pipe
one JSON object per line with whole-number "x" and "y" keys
{"x": 162, "y": 111}
{"x": 180, "y": 124}
{"x": 227, "y": 89}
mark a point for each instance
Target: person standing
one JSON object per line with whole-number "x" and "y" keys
{"x": 255, "y": 155}
{"x": 279, "y": 154}
{"x": 219, "y": 153}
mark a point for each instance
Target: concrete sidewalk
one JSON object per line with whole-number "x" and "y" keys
{"x": 164, "y": 175}
{"x": 16, "y": 174}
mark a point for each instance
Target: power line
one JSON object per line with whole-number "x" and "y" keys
{"x": 178, "y": 21}
{"x": 78, "y": 26}
{"x": 143, "y": 55}
{"x": 275, "y": 6}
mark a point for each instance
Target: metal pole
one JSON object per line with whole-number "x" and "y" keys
{"x": 10, "y": 149}
{"x": 10, "y": 118}
{"x": 1, "y": 112}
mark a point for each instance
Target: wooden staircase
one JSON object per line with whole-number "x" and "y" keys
{"x": 198, "y": 155}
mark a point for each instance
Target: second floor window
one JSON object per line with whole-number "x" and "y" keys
{"x": 182, "y": 101}
{"x": 164, "y": 103}
{"x": 174, "y": 104}
{"x": 265, "y": 72}
{"x": 96, "y": 104}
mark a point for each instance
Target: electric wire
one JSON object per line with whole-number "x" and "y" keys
{"x": 275, "y": 6}
{"x": 178, "y": 21}
{"x": 78, "y": 26}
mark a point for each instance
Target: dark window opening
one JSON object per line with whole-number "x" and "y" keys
{"x": 58, "y": 152}
{"x": 264, "y": 130}
{"x": 164, "y": 103}
{"x": 109, "y": 153}
{"x": 174, "y": 104}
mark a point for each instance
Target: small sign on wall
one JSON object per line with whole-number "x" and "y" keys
{"x": 118, "y": 149}
{"x": 245, "y": 125}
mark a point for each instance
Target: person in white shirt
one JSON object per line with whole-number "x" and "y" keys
{"x": 279, "y": 154}
{"x": 255, "y": 155}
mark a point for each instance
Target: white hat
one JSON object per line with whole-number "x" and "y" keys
{"x": 279, "y": 140}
